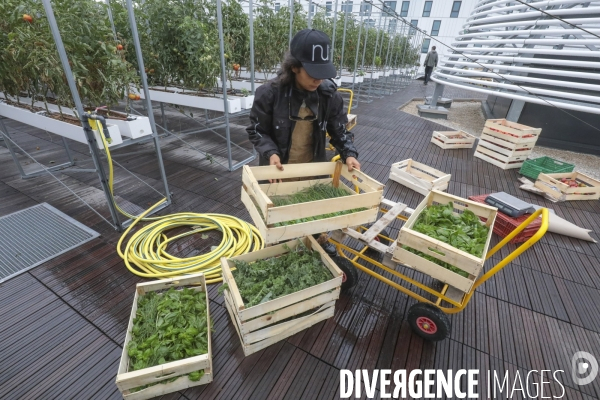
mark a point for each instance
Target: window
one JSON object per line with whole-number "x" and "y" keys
{"x": 347, "y": 7}
{"x": 427, "y": 8}
{"x": 328, "y": 8}
{"x": 435, "y": 29}
{"x": 312, "y": 9}
{"x": 404, "y": 10}
{"x": 370, "y": 23}
{"x": 414, "y": 23}
{"x": 365, "y": 9}
{"x": 390, "y": 7}
{"x": 425, "y": 46}
{"x": 277, "y": 6}
{"x": 392, "y": 26}
{"x": 455, "y": 9}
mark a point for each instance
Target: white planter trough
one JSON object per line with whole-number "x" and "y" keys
{"x": 70, "y": 131}
{"x": 257, "y": 75}
{"x": 338, "y": 81}
{"x": 349, "y": 78}
{"x": 372, "y": 74}
{"x": 182, "y": 99}
{"x": 241, "y": 84}
{"x": 137, "y": 127}
{"x": 245, "y": 101}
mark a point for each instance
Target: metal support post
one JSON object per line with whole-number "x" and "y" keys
{"x": 362, "y": 64}
{"x": 334, "y": 28}
{"x": 344, "y": 39}
{"x": 309, "y": 13}
{"x": 356, "y": 56}
{"x": 224, "y": 78}
{"x": 438, "y": 91}
{"x": 84, "y": 122}
{"x": 291, "y": 5}
{"x": 110, "y": 18}
{"x": 147, "y": 101}
{"x": 374, "y": 55}
{"x": 251, "y": 15}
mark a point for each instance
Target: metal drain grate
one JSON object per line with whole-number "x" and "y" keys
{"x": 35, "y": 235}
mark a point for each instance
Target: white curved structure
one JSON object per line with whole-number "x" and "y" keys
{"x": 512, "y": 50}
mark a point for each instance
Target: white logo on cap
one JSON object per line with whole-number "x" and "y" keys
{"x": 320, "y": 47}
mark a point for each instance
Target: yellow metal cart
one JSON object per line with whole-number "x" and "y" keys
{"x": 427, "y": 318}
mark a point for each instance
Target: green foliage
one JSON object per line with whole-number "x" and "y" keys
{"x": 168, "y": 327}
{"x": 29, "y": 61}
{"x": 319, "y": 191}
{"x": 463, "y": 231}
{"x": 275, "y": 277}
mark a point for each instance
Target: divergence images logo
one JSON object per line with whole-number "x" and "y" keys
{"x": 584, "y": 368}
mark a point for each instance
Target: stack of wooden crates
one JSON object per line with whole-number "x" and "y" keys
{"x": 506, "y": 144}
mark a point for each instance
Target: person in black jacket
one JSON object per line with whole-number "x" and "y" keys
{"x": 292, "y": 113}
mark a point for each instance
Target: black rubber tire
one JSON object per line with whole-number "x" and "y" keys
{"x": 374, "y": 254}
{"x": 429, "y": 322}
{"x": 350, "y": 273}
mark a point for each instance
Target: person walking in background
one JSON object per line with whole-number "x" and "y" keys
{"x": 430, "y": 62}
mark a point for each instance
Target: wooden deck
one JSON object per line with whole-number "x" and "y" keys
{"x": 63, "y": 323}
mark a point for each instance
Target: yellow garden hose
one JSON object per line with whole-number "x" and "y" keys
{"x": 146, "y": 255}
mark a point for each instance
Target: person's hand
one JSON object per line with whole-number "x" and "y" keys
{"x": 352, "y": 164}
{"x": 276, "y": 161}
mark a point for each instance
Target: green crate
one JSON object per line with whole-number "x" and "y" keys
{"x": 546, "y": 165}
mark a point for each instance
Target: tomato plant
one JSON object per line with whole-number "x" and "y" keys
{"x": 29, "y": 62}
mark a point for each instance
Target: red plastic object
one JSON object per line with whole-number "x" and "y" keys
{"x": 505, "y": 225}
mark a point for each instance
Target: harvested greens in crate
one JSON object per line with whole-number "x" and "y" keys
{"x": 446, "y": 239}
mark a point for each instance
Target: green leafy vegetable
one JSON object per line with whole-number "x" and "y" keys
{"x": 463, "y": 231}
{"x": 275, "y": 277}
{"x": 168, "y": 327}
{"x": 319, "y": 191}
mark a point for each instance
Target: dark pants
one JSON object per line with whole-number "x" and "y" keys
{"x": 428, "y": 73}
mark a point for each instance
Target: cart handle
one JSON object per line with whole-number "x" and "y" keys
{"x": 519, "y": 250}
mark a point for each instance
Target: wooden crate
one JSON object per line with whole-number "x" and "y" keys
{"x": 507, "y": 130}
{"x": 419, "y": 177}
{"x": 129, "y": 380}
{"x": 259, "y": 326}
{"x": 506, "y": 144}
{"x": 351, "y": 121}
{"x": 255, "y": 197}
{"x": 453, "y": 139}
{"x": 440, "y": 250}
{"x": 551, "y": 184}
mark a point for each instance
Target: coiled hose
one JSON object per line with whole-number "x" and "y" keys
{"x": 146, "y": 255}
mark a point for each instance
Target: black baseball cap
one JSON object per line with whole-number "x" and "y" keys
{"x": 311, "y": 47}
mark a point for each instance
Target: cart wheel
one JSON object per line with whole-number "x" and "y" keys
{"x": 429, "y": 322}
{"x": 350, "y": 277}
{"x": 374, "y": 254}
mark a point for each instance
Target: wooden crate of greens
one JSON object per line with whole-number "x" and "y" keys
{"x": 192, "y": 369}
{"x": 461, "y": 268}
{"x": 569, "y": 186}
{"x": 419, "y": 177}
{"x": 453, "y": 139}
{"x": 325, "y": 200}
{"x": 261, "y": 320}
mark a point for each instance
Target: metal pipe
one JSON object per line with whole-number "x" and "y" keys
{"x": 519, "y": 16}
{"x": 334, "y": 28}
{"x": 357, "y": 49}
{"x": 309, "y": 13}
{"x": 110, "y": 18}
{"x": 374, "y": 55}
{"x": 80, "y": 112}
{"x": 344, "y": 38}
{"x": 362, "y": 64}
{"x": 291, "y": 5}
{"x": 224, "y": 79}
{"x": 147, "y": 101}
{"x": 251, "y": 15}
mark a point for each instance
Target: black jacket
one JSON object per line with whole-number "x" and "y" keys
{"x": 271, "y": 128}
